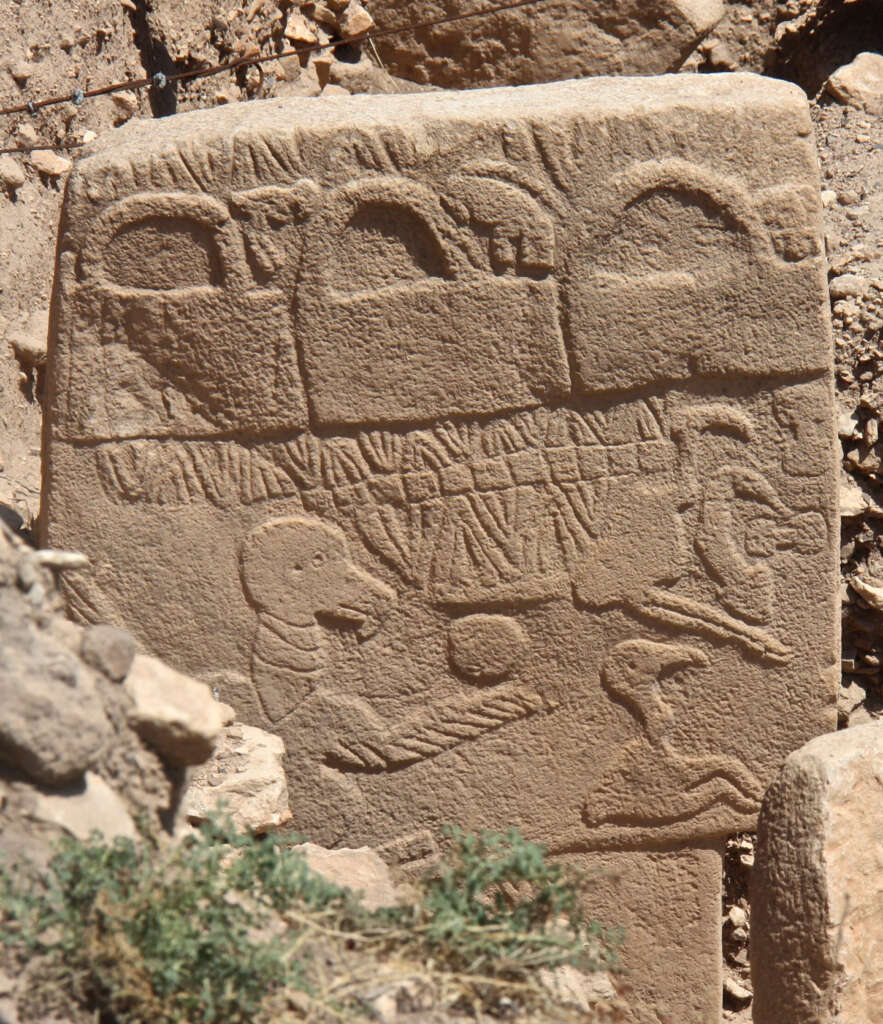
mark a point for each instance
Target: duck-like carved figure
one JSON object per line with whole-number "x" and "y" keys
{"x": 652, "y": 784}
{"x": 296, "y": 571}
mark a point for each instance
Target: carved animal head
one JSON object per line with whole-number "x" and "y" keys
{"x": 633, "y": 671}
{"x": 298, "y": 568}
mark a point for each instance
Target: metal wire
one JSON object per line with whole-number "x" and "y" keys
{"x": 160, "y": 81}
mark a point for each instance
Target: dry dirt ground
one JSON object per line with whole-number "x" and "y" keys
{"x": 50, "y": 48}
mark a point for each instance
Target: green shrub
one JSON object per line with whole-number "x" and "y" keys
{"x": 232, "y": 928}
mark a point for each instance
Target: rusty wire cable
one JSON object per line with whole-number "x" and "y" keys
{"x": 160, "y": 81}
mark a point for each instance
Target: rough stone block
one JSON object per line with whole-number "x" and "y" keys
{"x": 173, "y": 713}
{"x": 817, "y": 886}
{"x": 244, "y": 779}
{"x": 545, "y": 42}
{"x": 478, "y": 445}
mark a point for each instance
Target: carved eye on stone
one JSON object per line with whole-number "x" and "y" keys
{"x": 319, "y": 559}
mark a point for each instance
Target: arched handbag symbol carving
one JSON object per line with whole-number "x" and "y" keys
{"x": 298, "y": 574}
{"x": 168, "y": 272}
{"x": 681, "y": 253}
{"x": 400, "y": 322}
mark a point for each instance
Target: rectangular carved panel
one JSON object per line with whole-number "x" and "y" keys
{"x": 480, "y": 445}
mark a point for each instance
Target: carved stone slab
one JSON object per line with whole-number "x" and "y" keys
{"x": 480, "y": 445}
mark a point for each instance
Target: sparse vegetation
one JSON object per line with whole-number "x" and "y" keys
{"x": 232, "y": 928}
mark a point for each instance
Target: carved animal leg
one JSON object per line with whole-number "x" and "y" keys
{"x": 687, "y": 614}
{"x": 443, "y": 728}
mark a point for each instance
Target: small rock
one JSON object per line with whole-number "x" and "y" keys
{"x": 736, "y": 996}
{"x": 47, "y": 162}
{"x": 850, "y": 698}
{"x": 12, "y": 174}
{"x": 571, "y": 986}
{"x": 721, "y": 57}
{"x": 860, "y": 84}
{"x": 246, "y": 774}
{"x": 289, "y": 68}
{"x": 321, "y": 64}
{"x": 26, "y": 135}
{"x": 89, "y": 136}
{"x": 172, "y": 712}
{"x": 871, "y": 595}
{"x": 228, "y": 94}
{"x": 853, "y": 501}
{"x": 849, "y": 286}
{"x": 847, "y": 422}
{"x": 356, "y": 20}
{"x": 331, "y": 90}
{"x": 29, "y": 343}
{"x": 299, "y": 30}
{"x": 323, "y": 13}
{"x": 737, "y": 917}
{"x": 126, "y": 99}
{"x": 127, "y": 103}
{"x": 110, "y": 650}
{"x": 306, "y": 83}
{"x": 361, "y": 870}
{"x": 22, "y": 71}
{"x": 94, "y": 806}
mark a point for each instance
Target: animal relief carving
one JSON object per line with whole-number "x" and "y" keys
{"x": 480, "y": 446}
{"x": 652, "y": 784}
{"x": 297, "y": 573}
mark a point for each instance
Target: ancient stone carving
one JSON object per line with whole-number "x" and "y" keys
{"x": 484, "y": 647}
{"x": 404, "y": 264}
{"x": 478, "y": 446}
{"x": 297, "y": 571}
{"x": 665, "y": 786}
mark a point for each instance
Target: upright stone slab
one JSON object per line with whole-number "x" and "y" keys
{"x": 817, "y": 888}
{"x": 480, "y": 445}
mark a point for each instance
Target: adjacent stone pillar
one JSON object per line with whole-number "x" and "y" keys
{"x": 817, "y": 886}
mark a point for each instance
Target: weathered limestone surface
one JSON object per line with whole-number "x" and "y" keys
{"x": 817, "y": 887}
{"x": 545, "y": 42}
{"x": 244, "y": 779}
{"x": 478, "y": 445}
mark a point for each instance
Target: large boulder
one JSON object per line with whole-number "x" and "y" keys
{"x": 53, "y": 724}
{"x": 545, "y": 42}
{"x": 817, "y": 886}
